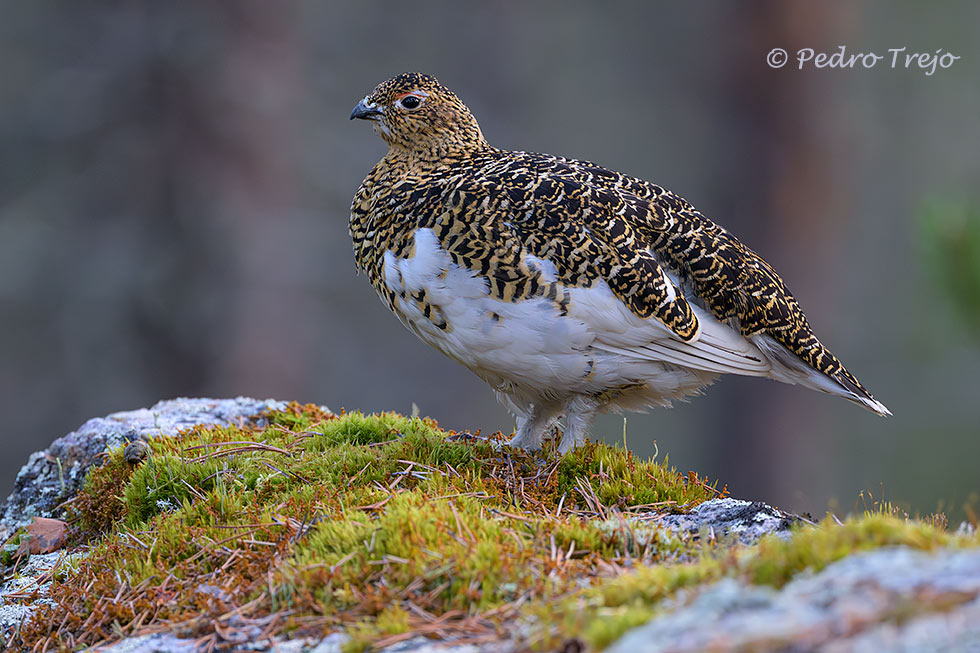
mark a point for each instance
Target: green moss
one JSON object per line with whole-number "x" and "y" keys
{"x": 358, "y": 429}
{"x": 622, "y": 481}
{"x": 11, "y": 549}
{"x": 384, "y": 525}
{"x": 601, "y": 614}
{"x": 775, "y": 562}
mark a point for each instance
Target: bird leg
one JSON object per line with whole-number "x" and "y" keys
{"x": 578, "y": 415}
{"x": 531, "y": 427}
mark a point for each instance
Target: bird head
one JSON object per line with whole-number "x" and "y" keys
{"x": 415, "y": 113}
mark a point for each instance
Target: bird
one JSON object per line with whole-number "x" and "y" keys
{"x": 571, "y": 289}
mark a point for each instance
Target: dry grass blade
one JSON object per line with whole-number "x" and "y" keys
{"x": 256, "y": 446}
{"x": 249, "y": 446}
{"x": 376, "y": 506}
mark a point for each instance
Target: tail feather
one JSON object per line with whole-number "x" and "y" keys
{"x": 859, "y": 394}
{"x": 790, "y": 368}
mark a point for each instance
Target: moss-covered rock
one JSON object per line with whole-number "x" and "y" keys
{"x": 300, "y": 522}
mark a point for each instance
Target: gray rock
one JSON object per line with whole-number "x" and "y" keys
{"x": 871, "y": 601}
{"x": 957, "y": 631}
{"x": 55, "y": 475}
{"x": 155, "y": 643}
{"x": 333, "y": 643}
{"x": 745, "y": 520}
{"x": 425, "y": 645}
{"x": 165, "y": 643}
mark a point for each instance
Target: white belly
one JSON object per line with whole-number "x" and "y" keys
{"x": 528, "y": 347}
{"x": 525, "y": 342}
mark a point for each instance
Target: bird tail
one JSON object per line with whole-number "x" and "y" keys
{"x": 790, "y": 368}
{"x": 857, "y": 393}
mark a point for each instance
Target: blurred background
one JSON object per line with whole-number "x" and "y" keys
{"x": 175, "y": 180}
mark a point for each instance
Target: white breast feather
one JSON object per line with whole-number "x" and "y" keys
{"x": 529, "y": 343}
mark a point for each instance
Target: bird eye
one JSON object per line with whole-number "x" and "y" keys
{"x": 410, "y": 102}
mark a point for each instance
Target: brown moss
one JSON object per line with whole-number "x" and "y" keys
{"x": 99, "y": 505}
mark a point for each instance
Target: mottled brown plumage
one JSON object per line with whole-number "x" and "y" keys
{"x": 539, "y": 228}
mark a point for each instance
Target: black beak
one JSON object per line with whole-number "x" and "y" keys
{"x": 365, "y": 111}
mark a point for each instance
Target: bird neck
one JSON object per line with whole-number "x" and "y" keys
{"x": 457, "y": 145}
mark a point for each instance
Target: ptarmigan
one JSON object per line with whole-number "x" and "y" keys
{"x": 569, "y": 288}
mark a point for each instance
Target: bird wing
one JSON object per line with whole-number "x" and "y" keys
{"x": 729, "y": 279}
{"x": 532, "y": 234}
{"x": 658, "y": 255}
{"x": 606, "y": 280}
{"x": 492, "y": 221}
